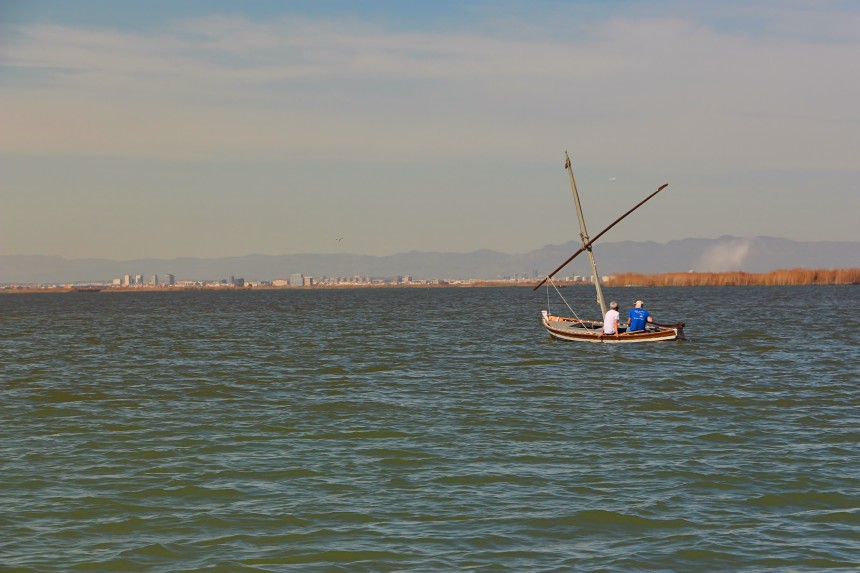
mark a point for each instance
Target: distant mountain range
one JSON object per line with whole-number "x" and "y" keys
{"x": 755, "y": 255}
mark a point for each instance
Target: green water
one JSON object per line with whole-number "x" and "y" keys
{"x": 427, "y": 430}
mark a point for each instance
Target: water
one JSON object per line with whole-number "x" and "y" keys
{"x": 427, "y": 430}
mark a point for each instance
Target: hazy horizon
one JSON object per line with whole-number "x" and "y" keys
{"x": 742, "y": 241}
{"x": 215, "y": 129}
{"x": 724, "y": 254}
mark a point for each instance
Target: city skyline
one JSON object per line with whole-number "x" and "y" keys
{"x": 215, "y": 129}
{"x": 759, "y": 254}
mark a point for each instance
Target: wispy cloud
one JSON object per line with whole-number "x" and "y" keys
{"x": 222, "y": 85}
{"x": 743, "y": 107}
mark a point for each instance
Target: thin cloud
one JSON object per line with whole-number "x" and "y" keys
{"x": 315, "y": 86}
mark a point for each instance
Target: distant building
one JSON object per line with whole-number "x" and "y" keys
{"x": 153, "y": 280}
{"x": 307, "y": 281}
{"x": 296, "y": 279}
{"x": 168, "y": 279}
{"x": 126, "y": 280}
{"x": 138, "y": 279}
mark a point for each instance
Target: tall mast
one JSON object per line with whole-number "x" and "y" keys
{"x": 583, "y": 235}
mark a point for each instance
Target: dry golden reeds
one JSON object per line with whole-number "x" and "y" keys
{"x": 774, "y": 278}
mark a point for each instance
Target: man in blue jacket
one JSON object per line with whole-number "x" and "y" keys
{"x": 638, "y": 316}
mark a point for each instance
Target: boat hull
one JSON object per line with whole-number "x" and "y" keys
{"x": 575, "y": 330}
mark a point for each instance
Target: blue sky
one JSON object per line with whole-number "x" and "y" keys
{"x": 167, "y": 129}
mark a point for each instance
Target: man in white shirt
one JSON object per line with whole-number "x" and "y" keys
{"x": 610, "y": 321}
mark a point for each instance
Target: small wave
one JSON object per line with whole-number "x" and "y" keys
{"x": 230, "y": 567}
{"x": 847, "y": 517}
{"x": 215, "y": 392}
{"x": 483, "y": 479}
{"x": 406, "y": 462}
{"x": 66, "y": 396}
{"x": 719, "y": 437}
{"x": 330, "y": 370}
{"x": 539, "y": 390}
{"x": 534, "y": 362}
{"x": 332, "y": 556}
{"x": 339, "y": 406}
{"x": 151, "y": 552}
{"x": 186, "y": 492}
{"x": 605, "y": 519}
{"x": 267, "y": 474}
{"x": 660, "y": 405}
{"x": 805, "y": 500}
{"x": 615, "y": 519}
{"x": 112, "y": 527}
{"x": 341, "y": 517}
{"x": 380, "y": 368}
{"x": 358, "y": 435}
{"x": 534, "y": 436}
{"x": 709, "y": 556}
{"x": 397, "y": 454}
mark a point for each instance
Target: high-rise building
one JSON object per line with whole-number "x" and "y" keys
{"x": 168, "y": 279}
{"x": 296, "y": 279}
{"x": 126, "y": 280}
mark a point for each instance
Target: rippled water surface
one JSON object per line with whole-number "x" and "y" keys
{"x": 427, "y": 430}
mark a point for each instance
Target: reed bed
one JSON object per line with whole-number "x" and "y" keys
{"x": 783, "y": 277}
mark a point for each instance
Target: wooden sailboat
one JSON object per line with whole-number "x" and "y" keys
{"x": 588, "y": 330}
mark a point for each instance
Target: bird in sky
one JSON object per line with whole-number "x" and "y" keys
{"x": 339, "y": 239}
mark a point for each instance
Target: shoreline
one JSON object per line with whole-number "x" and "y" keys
{"x": 791, "y": 277}
{"x": 111, "y": 289}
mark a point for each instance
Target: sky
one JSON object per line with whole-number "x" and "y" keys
{"x": 165, "y": 129}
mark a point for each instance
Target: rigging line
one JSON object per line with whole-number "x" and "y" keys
{"x": 561, "y": 296}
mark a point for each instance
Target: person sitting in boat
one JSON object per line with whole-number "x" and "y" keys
{"x": 610, "y": 321}
{"x": 638, "y": 316}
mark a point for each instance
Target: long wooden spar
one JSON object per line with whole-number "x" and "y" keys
{"x": 587, "y": 245}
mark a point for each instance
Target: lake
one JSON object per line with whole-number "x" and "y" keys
{"x": 427, "y": 429}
